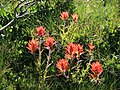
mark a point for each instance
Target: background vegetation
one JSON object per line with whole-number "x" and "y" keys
{"x": 98, "y": 22}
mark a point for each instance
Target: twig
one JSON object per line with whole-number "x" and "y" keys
{"x": 7, "y": 24}
{"x": 21, "y": 14}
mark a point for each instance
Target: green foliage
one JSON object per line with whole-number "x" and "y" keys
{"x": 98, "y": 22}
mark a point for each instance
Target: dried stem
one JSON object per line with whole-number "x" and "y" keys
{"x": 21, "y": 14}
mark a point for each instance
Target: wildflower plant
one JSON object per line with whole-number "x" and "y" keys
{"x": 64, "y": 16}
{"x": 96, "y": 69}
{"x": 76, "y": 63}
{"x": 62, "y": 66}
{"x": 68, "y": 27}
{"x": 32, "y": 46}
{"x": 42, "y": 44}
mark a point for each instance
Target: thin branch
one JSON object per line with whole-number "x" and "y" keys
{"x": 7, "y": 24}
{"x": 15, "y": 9}
{"x": 21, "y": 14}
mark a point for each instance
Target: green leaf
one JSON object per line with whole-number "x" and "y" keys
{"x": 10, "y": 30}
{"x": 25, "y": 42}
{"x": 20, "y": 51}
{"x": 118, "y": 66}
{"x": 53, "y": 69}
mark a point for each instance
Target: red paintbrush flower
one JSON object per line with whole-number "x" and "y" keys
{"x": 62, "y": 65}
{"x": 75, "y": 17}
{"x": 49, "y": 42}
{"x": 73, "y": 51}
{"x": 91, "y": 46}
{"x": 64, "y": 15}
{"x": 79, "y": 49}
{"x": 40, "y": 30}
{"x": 70, "y": 51}
{"x": 96, "y": 68}
{"x": 32, "y": 46}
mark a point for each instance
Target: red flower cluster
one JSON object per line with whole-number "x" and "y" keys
{"x": 73, "y": 50}
{"x": 91, "y": 46}
{"x": 62, "y": 65}
{"x": 64, "y": 15}
{"x": 75, "y": 17}
{"x": 49, "y": 42}
{"x": 32, "y": 46}
{"x": 79, "y": 49}
{"x": 96, "y": 69}
{"x": 40, "y": 30}
{"x": 70, "y": 51}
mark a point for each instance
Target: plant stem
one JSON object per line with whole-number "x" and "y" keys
{"x": 40, "y": 52}
{"x": 48, "y": 60}
{"x": 88, "y": 66}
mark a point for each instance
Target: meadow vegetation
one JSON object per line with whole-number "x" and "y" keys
{"x": 59, "y": 45}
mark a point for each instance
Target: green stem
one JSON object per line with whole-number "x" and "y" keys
{"x": 88, "y": 66}
{"x": 63, "y": 32}
{"x": 47, "y": 66}
{"x": 40, "y": 52}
